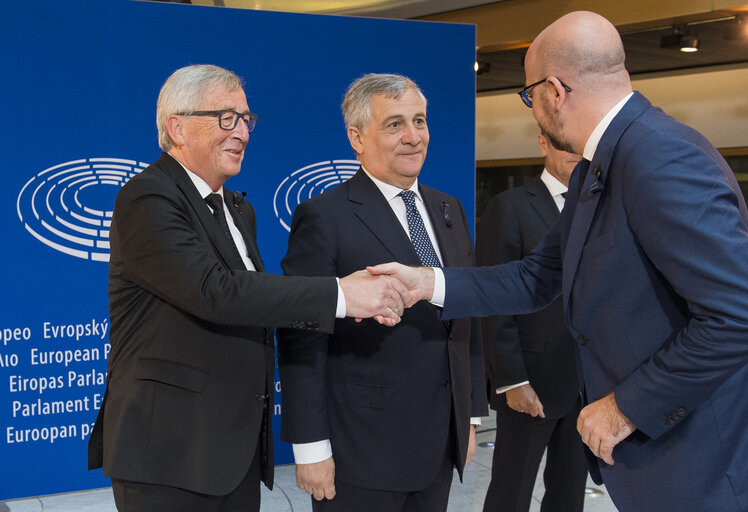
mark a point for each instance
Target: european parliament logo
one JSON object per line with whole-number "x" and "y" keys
{"x": 308, "y": 182}
{"x": 68, "y": 207}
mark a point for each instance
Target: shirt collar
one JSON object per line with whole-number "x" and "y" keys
{"x": 597, "y": 133}
{"x": 555, "y": 187}
{"x": 390, "y": 191}
{"x": 202, "y": 188}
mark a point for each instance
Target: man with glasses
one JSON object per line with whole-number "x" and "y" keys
{"x": 185, "y": 423}
{"x": 649, "y": 255}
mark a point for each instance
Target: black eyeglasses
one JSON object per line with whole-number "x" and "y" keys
{"x": 227, "y": 119}
{"x": 527, "y": 100}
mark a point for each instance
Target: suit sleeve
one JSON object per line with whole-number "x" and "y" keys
{"x": 301, "y": 354}
{"x": 513, "y": 288}
{"x": 687, "y": 219}
{"x": 479, "y": 405}
{"x": 160, "y": 250}
{"x": 499, "y": 241}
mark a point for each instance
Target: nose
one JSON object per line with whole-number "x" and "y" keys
{"x": 241, "y": 131}
{"x": 411, "y": 135}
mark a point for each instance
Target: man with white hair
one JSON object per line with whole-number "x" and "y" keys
{"x": 185, "y": 423}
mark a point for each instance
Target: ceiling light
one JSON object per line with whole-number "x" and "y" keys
{"x": 684, "y": 38}
{"x": 689, "y": 44}
{"x": 481, "y": 67}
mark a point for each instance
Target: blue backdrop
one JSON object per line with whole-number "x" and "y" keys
{"x": 79, "y": 85}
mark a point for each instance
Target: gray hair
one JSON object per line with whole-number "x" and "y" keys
{"x": 184, "y": 91}
{"x": 357, "y": 102}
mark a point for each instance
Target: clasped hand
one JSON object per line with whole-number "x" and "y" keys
{"x": 384, "y": 291}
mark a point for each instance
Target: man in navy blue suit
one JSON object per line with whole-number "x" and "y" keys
{"x": 380, "y": 416}
{"x": 650, "y": 256}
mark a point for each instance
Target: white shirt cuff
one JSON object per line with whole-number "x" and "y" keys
{"x": 504, "y": 389}
{"x": 340, "y": 308}
{"x": 309, "y": 453}
{"x": 475, "y": 421}
{"x": 439, "y": 288}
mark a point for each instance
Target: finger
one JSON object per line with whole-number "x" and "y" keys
{"x": 403, "y": 292}
{"x": 606, "y": 453}
{"x": 389, "y": 322}
{"x": 319, "y": 493}
{"x": 383, "y": 268}
{"x": 330, "y": 492}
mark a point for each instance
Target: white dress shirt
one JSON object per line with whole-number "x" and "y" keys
{"x": 317, "y": 451}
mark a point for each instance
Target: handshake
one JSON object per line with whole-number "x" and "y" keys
{"x": 384, "y": 291}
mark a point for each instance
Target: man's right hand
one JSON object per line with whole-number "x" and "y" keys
{"x": 317, "y": 479}
{"x": 418, "y": 281}
{"x": 524, "y": 399}
{"x": 367, "y": 295}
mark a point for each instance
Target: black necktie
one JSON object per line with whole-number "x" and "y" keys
{"x": 215, "y": 201}
{"x": 418, "y": 234}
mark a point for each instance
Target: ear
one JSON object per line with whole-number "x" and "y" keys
{"x": 175, "y": 128}
{"x": 542, "y": 145}
{"x": 561, "y": 92}
{"x": 355, "y": 137}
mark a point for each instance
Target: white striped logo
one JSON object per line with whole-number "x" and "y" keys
{"x": 308, "y": 182}
{"x": 68, "y": 207}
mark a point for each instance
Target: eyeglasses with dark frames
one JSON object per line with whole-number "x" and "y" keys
{"x": 227, "y": 119}
{"x": 527, "y": 99}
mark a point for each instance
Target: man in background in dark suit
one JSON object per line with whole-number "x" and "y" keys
{"x": 185, "y": 423}
{"x": 530, "y": 358}
{"x": 649, "y": 255}
{"x": 378, "y": 416}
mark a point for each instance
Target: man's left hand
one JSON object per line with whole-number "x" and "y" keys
{"x": 602, "y": 425}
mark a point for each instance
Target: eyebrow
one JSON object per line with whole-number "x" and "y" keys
{"x": 389, "y": 119}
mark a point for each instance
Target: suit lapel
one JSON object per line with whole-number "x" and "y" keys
{"x": 593, "y": 189}
{"x": 377, "y": 215}
{"x": 244, "y": 219}
{"x": 542, "y": 201}
{"x": 441, "y": 216}
{"x": 199, "y": 206}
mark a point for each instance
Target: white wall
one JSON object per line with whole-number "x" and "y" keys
{"x": 714, "y": 102}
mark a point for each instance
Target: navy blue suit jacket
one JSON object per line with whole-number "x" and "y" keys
{"x": 536, "y": 347}
{"x": 384, "y": 396}
{"x": 650, "y": 256}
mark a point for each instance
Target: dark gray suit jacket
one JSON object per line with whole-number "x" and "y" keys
{"x": 537, "y": 346}
{"x": 191, "y": 362}
{"x": 384, "y": 396}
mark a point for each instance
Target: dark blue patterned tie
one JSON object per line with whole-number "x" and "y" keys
{"x": 418, "y": 235}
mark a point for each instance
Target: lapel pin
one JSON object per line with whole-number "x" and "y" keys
{"x": 445, "y": 214}
{"x": 597, "y": 186}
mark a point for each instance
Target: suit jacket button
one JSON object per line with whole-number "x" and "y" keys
{"x": 445, "y": 383}
{"x": 582, "y": 340}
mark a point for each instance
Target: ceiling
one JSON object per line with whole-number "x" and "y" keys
{"x": 721, "y": 40}
{"x": 397, "y": 9}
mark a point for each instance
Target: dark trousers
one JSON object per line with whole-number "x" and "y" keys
{"x": 520, "y": 443}
{"x": 140, "y": 497}
{"x": 434, "y": 498}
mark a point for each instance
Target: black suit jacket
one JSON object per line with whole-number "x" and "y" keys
{"x": 537, "y": 346}
{"x": 191, "y": 362}
{"x": 384, "y": 396}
